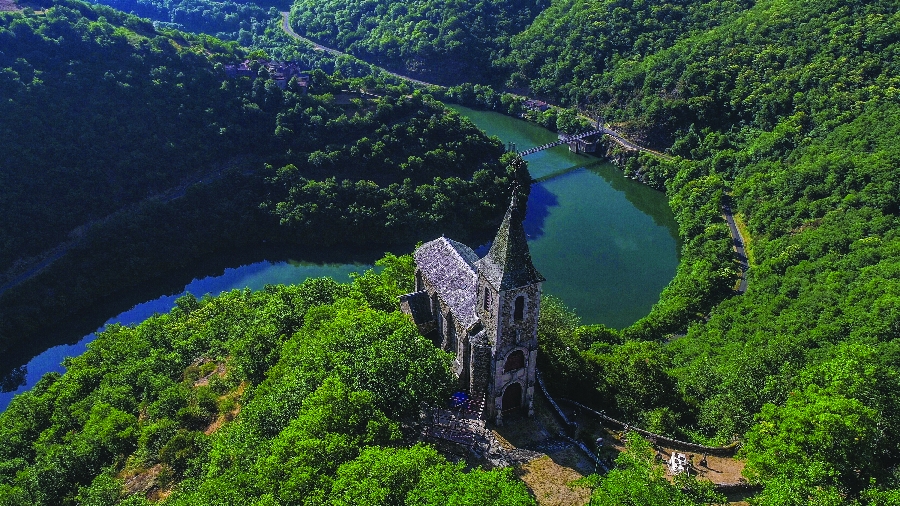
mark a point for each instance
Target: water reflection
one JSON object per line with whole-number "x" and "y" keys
{"x": 607, "y": 245}
{"x": 253, "y": 276}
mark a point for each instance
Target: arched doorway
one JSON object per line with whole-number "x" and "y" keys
{"x": 512, "y": 398}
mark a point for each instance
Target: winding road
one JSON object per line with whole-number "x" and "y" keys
{"x": 286, "y": 26}
{"x": 627, "y": 144}
{"x": 738, "y": 239}
{"x": 739, "y": 244}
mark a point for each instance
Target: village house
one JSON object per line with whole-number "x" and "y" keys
{"x": 536, "y": 105}
{"x": 280, "y": 72}
{"x": 485, "y": 311}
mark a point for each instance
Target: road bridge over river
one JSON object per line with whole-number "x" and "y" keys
{"x": 563, "y": 140}
{"x": 739, "y": 242}
{"x": 615, "y": 136}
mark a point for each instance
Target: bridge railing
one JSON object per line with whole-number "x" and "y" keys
{"x": 615, "y": 136}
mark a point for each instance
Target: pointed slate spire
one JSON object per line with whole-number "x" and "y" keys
{"x": 508, "y": 264}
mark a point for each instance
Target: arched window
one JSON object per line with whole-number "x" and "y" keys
{"x": 487, "y": 299}
{"x": 519, "y": 312}
{"x": 515, "y": 360}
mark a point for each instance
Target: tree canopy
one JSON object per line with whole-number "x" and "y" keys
{"x": 290, "y": 395}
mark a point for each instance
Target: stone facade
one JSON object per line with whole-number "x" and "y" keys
{"x": 485, "y": 311}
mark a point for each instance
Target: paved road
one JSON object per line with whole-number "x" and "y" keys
{"x": 738, "y": 245}
{"x": 286, "y": 26}
{"x": 616, "y": 136}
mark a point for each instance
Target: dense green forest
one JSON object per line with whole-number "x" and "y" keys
{"x": 449, "y": 41}
{"x": 213, "y": 164}
{"x": 788, "y": 109}
{"x": 792, "y": 108}
{"x": 240, "y": 21}
{"x": 291, "y": 395}
{"x": 572, "y": 46}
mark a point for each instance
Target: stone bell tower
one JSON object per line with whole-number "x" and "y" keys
{"x": 508, "y": 301}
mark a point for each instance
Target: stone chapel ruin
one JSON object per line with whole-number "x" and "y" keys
{"x": 485, "y": 310}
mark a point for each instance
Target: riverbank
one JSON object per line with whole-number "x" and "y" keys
{"x": 303, "y": 198}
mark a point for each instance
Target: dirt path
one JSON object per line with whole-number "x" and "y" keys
{"x": 556, "y": 461}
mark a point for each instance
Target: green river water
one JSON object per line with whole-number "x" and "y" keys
{"x": 606, "y": 244}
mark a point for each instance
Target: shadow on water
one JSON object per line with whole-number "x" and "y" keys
{"x": 539, "y": 203}
{"x": 608, "y": 245}
{"x": 563, "y": 172}
{"x": 75, "y": 328}
{"x": 642, "y": 197}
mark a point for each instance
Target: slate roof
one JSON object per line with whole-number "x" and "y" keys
{"x": 449, "y": 267}
{"x": 508, "y": 264}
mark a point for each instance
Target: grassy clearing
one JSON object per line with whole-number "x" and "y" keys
{"x": 748, "y": 239}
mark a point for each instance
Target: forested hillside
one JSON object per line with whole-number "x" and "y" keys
{"x": 567, "y": 51}
{"x": 789, "y": 110}
{"x": 448, "y": 41}
{"x": 73, "y": 83}
{"x": 238, "y": 21}
{"x": 291, "y": 395}
{"x": 793, "y": 108}
{"x": 112, "y": 126}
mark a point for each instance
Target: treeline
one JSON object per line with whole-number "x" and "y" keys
{"x": 228, "y": 163}
{"x": 305, "y": 394}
